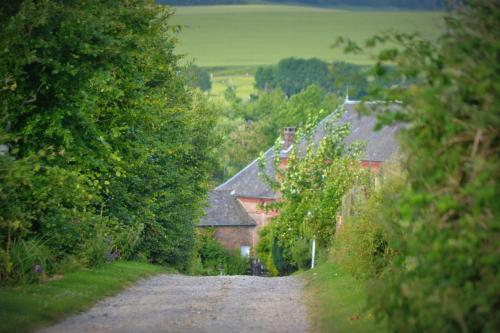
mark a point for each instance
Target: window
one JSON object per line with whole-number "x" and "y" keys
{"x": 245, "y": 251}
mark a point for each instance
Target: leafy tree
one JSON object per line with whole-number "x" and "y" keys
{"x": 265, "y": 78}
{"x": 345, "y": 77}
{"x": 294, "y": 75}
{"x": 311, "y": 189}
{"x": 445, "y": 276}
{"x": 99, "y": 128}
{"x": 198, "y": 77}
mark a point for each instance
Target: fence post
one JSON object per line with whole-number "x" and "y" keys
{"x": 313, "y": 252}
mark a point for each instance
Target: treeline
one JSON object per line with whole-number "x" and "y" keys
{"x": 401, "y": 4}
{"x": 105, "y": 153}
{"x": 292, "y": 75}
{"x": 423, "y": 235}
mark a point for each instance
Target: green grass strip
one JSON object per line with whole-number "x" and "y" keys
{"x": 336, "y": 301}
{"x": 25, "y": 308}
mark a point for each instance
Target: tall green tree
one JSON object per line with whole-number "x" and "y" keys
{"x": 94, "y": 111}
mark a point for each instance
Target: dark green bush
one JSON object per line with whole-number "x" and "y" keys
{"x": 104, "y": 152}
{"x": 211, "y": 256}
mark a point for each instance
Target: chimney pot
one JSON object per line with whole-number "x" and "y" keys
{"x": 288, "y": 135}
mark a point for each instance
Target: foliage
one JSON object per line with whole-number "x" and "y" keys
{"x": 348, "y": 78}
{"x": 237, "y": 264}
{"x": 27, "y": 261}
{"x": 29, "y": 307}
{"x": 292, "y": 75}
{"x": 445, "y": 275}
{"x": 98, "y": 132}
{"x": 211, "y": 254}
{"x": 360, "y": 247}
{"x": 213, "y": 259}
{"x": 265, "y": 78}
{"x": 198, "y": 77}
{"x": 245, "y": 129}
{"x": 281, "y": 258}
{"x": 301, "y": 254}
{"x": 264, "y": 250}
{"x": 311, "y": 188}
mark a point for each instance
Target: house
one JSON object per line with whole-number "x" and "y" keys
{"x": 234, "y": 207}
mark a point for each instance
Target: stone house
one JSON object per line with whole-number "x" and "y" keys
{"x": 234, "y": 207}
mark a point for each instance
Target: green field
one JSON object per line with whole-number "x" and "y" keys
{"x": 251, "y": 35}
{"x": 244, "y": 84}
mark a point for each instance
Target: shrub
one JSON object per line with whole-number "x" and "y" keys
{"x": 236, "y": 264}
{"x": 361, "y": 245}
{"x": 264, "y": 250}
{"x": 301, "y": 253}
{"x": 211, "y": 256}
{"x": 444, "y": 276}
{"x": 27, "y": 261}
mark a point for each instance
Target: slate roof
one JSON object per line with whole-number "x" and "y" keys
{"x": 248, "y": 183}
{"x": 379, "y": 145}
{"x": 225, "y": 210}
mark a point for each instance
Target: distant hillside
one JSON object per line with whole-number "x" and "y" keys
{"x": 402, "y": 4}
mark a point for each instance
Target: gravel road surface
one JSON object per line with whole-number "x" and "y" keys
{"x": 177, "y": 303}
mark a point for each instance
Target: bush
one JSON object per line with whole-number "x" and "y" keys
{"x": 444, "y": 275}
{"x": 361, "y": 245}
{"x": 211, "y": 256}
{"x": 264, "y": 250}
{"x": 301, "y": 253}
{"x": 93, "y": 154}
{"x": 236, "y": 264}
{"x": 27, "y": 261}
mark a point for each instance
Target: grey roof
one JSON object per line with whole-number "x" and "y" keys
{"x": 248, "y": 183}
{"x": 379, "y": 146}
{"x": 225, "y": 210}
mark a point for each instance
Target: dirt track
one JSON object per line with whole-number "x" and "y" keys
{"x": 177, "y": 303}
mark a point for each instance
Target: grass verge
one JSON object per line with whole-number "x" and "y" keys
{"x": 336, "y": 301}
{"x": 25, "y": 308}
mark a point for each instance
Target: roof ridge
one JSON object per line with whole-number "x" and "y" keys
{"x": 241, "y": 171}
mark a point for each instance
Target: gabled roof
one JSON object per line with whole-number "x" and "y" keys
{"x": 379, "y": 146}
{"x": 225, "y": 210}
{"x": 248, "y": 183}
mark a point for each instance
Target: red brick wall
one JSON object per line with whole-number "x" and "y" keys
{"x": 234, "y": 237}
{"x": 252, "y": 207}
{"x": 373, "y": 166}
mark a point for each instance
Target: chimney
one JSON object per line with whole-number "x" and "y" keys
{"x": 288, "y": 135}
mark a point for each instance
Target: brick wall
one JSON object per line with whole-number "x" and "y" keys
{"x": 253, "y": 208}
{"x": 234, "y": 237}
